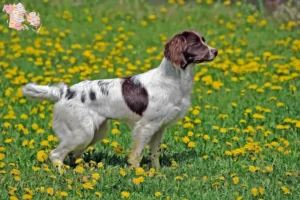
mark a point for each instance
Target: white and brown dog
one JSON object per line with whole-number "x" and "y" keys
{"x": 147, "y": 102}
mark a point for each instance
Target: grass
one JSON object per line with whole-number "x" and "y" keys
{"x": 240, "y": 138}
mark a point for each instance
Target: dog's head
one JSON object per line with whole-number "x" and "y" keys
{"x": 188, "y": 47}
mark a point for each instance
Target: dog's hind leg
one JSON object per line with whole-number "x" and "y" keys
{"x": 75, "y": 129}
{"x": 100, "y": 132}
{"x": 98, "y": 135}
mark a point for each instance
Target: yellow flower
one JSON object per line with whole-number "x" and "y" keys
{"x": 227, "y": 2}
{"x": 251, "y": 19}
{"x": 114, "y": 144}
{"x": 50, "y": 191}
{"x": 298, "y": 124}
{"x": 157, "y": 194}
{"x": 34, "y": 126}
{"x": 234, "y": 104}
{"x": 79, "y": 169}
{"x": 152, "y": 17}
{"x": 269, "y": 169}
{"x": 285, "y": 190}
{"x": 190, "y": 133}
{"x": 206, "y": 137}
{"x": 261, "y": 190}
{"x": 45, "y": 143}
{"x": 9, "y": 140}
{"x": 191, "y": 144}
{"x": 27, "y": 196}
{"x": 96, "y": 176}
{"x": 196, "y": 112}
{"x": 254, "y": 191}
{"x": 115, "y": 131}
{"x": 138, "y": 180}
{"x": 24, "y": 116}
{"x": 185, "y": 139}
{"x": 253, "y": 168}
{"x": 105, "y": 141}
{"x": 98, "y": 194}
{"x": 223, "y": 130}
{"x": 235, "y": 180}
{"x": 100, "y": 164}
{"x": 280, "y": 104}
{"x": 2, "y": 156}
{"x": 88, "y": 186}
{"x": 122, "y": 172}
{"x": 144, "y": 23}
{"x": 139, "y": 171}
{"x": 42, "y": 156}
{"x": 125, "y": 194}
{"x": 258, "y": 116}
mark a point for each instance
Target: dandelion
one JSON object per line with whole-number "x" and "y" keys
{"x": 191, "y": 144}
{"x": 254, "y": 191}
{"x": 261, "y": 190}
{"x": 285, "y": 190}
{"x": 152, "y": 17}
{"x": 79, "y": 169}
{"x": 95, "y": 176}
{"x": 157, "y": 194}
{"x": 2, "y": 156}
{"x": 269, "y": 169}
{"x": 125, "y": 194}
{"x": 163, "y": 10}
{"x": 139, "y": 171}
{"x": 122, "y": 172}
{"x": 99, "y": 194}
{"x": 185, "y": 139}
{"x": 235, "y": 180}
{"x": 42, "y": 156}
{"x": 50, "y": 191}
{"x": 258, "y": 116}
{"x": 115, "y": 131}
{"x": 100, "y": 165}
{"x": 88, "y": 186}
{"x": 114, "y": 144}
{"x": 138, "y": 180}
{"x": 253, "y": 168}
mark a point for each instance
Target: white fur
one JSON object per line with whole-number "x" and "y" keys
{"x": 79, "y": 125}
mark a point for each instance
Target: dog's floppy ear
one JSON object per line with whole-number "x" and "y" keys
{"x": 174, "y": 50}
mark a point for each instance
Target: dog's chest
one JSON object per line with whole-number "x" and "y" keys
{"x": 179, "y": 109}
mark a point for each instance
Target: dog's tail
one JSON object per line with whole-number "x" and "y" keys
{"x": 34, "y": 91}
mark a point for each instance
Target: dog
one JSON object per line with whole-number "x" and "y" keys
{"x": 148, "y": 102}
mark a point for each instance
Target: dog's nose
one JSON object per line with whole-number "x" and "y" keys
{"x": 214, "y": 51}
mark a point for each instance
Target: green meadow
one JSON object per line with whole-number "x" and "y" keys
{"x": 239, "y": 140}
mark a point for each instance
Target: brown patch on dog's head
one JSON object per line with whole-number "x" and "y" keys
{"x": 188, "y": 47}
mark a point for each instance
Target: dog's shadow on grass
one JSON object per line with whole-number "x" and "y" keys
{"x": 166, "y": 158}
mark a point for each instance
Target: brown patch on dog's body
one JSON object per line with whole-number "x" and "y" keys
{"x": 135, "y": 95}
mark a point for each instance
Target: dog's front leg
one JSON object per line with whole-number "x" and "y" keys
{"x": 140, "y": 138}
{"x": 155, "y": 144}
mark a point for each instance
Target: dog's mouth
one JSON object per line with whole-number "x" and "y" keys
{"x": 203, "y": 60}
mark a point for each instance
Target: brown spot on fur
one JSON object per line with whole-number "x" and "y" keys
{"x": 135, "y": 95}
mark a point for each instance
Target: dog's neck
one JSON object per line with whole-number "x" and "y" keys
{"x": 184, "y": 76}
